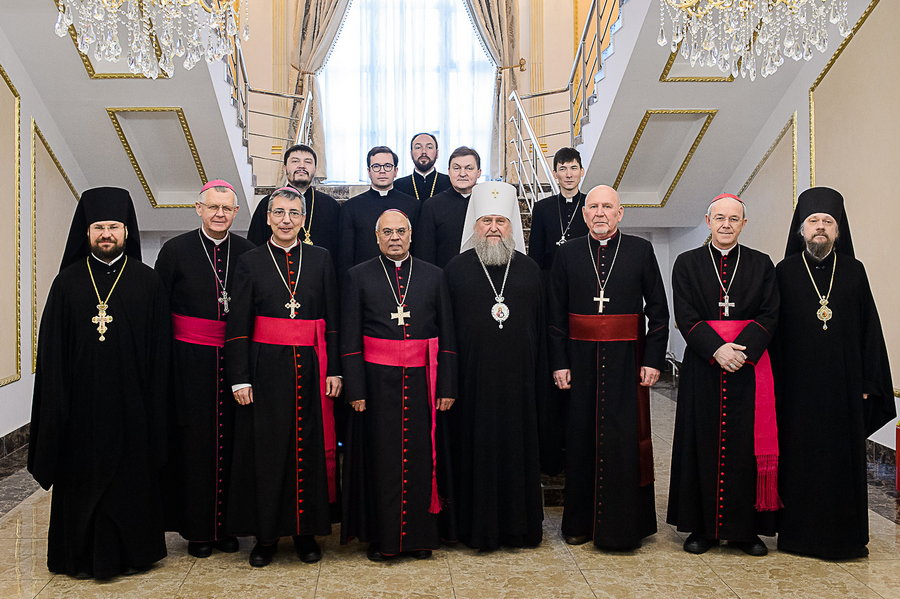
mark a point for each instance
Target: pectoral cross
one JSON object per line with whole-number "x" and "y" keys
{"x": 400, "y": 315}
{"x": 102, "y": 319}
{"x": 725, "y": 304}
{"x": 293, "y": 305}
{"x": 224, "y": 299}
{"x": 600, "y": 301}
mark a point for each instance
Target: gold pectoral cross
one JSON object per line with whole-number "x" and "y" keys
{"x": 600, "y": 301}
{"x": 102, "y": 319}
{"x": 292, "y": 306}
{"x": 400, "y": 315}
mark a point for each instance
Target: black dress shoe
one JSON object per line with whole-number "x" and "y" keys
{"x": 261, "y": 555}
{"x": 577, "y": 539}
{"x": 755, "y": 547}
{"x": 697, "y": 543}
{"x": 421, "y": 553}
{"x": 200, "y": 549}
{"x": 374, "y": 555}
{"x": 307, "y": 549}
{"x": 227, "y": 545}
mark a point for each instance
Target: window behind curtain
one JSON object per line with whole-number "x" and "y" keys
{"x": 400, "y": 67}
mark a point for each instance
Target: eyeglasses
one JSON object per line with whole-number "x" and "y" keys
{"x": 456, "y": 168}
{"x": 401, "y": 231}
{"x": 731, "y": 219}
{"x": 382, "y": 167}
{"x": 117, "y": 228}
{"x": 279, "y": 213}
{"x": 214, "y": 208}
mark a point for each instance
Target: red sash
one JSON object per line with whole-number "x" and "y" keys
{"x": 765, "y": 427}
{"x": 306, "y": 333}
{"x": 412, "y": 353}
{"x": 199, "y": 331}
{"x": 621, "y": 327}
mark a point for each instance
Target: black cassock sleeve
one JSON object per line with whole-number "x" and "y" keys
{"x": 757, "y": 335}
{"x": 699, "y": 336}
{"x": 538, "y": 236}
{"x": 240, "y": 326}
{"x": 448, "y": 359}
{"x": 558, "y": 317}
{"x": 425, "y": 232}
{"x": 351, "y": 339}
{"x": 347, "y": 240}
{"x": 159, "y": 339}
{"x": 332, "y": 317}
{"x": 879, "y": 407}
{"x": 656, "y": 308}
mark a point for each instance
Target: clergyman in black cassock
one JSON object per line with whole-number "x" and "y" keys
{"x": 439, "y": 231}
{"x": 98, "y": 416}
{"x": 283, "y": 364}
{"x": 359, "y": 213}
{"x": 608, "y": 359}
{"x": 197, "y": 271}
{"x": 399, "y": 357}
{"x": 424, "y": 182}
{"x": 322, "y": 211}
{"x": 495, "y": 433}
{"x": 833, "y": 382}
{"x": 723, "y": 482}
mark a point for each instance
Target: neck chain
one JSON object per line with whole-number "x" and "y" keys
{"x": 499, "y": 310}
{"x": 433, "y": 184}
{"x": 102, "y": 318}
{"x": 293, "y": 304}
{"x": 312, "y": 208}
{"x": 602, "y": 299}
{"x": 565, "y": 231}
{"x": 725, "y": 303}
{"x": 824, "y": 313}
{"x": 224, "y": 298}
{"x": 400, "y": 316}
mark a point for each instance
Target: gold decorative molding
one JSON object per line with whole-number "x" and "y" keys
{"x": 17, "y": 185}
{"x": 664, "y": 76}
{"x": 791, "y": 126}
{"x": 812, "y": 89}
{"x": 710, "y": 114}
{"x": 38, "y": 136}
{"x": 201, "y": 172}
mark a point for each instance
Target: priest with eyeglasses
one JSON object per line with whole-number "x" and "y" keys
{"x": 282, "y": 362}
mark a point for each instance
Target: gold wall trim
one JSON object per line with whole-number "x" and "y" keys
{"x": 17, "y": 185}
{"x": 201, "y": 172}
{"x": 36, "y": 136}
{"x": 812, "y": 89}
{"x": 665, "y": 78}
{"x": 791, "y": 126}
{"x": 710, "y": 114}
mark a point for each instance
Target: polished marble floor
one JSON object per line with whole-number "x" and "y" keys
{"x": 659, "y": 569}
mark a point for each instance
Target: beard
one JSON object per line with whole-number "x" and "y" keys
{"x": 300, "y": 179}
{"x": 107, "y": 255}
{"x": 819, "y": 249}
{"x": 424, "y": 164}
{"x": 495, "y": 254}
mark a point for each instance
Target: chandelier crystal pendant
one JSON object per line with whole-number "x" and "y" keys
{"x": 157, "y": 31}
{"x": 747, "y": 37}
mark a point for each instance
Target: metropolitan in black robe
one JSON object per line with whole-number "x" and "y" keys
{"x": 440, "y": 227}
{"x": 609, "y": 459}
{"x": 202, "y": 406}
{"x": 554, "y": 218}
{"x": 389, "y": 470}
{"x": 713, "y": 485}
{"x": 423, "y": 187}
{"x": 357, "y": 224}
{"x": 279, "y": 479}
{"x": 322, "y": 218}
{"x": 495, "y": 434}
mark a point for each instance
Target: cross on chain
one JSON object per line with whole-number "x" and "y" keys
{"x": 293, "y": 305}
{"x": 102, "y": 319}
{"x": 224, "y": 299}
{"x": 600, "y": 301}
{"x": 725, "y": 304}
{"x": 400, "y": 315}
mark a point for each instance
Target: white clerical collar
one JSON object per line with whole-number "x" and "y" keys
{"x": 397, "y": 263}
{"x": 721, "y": 251}
{"x": 111, "y": 262}
{"x": 466, "y": 195}
{"x": 383, "y": 192}
{"x": 607, "y": 240}
{"x": 568, "y": 199}
{"x": 425, "y": 175}
{"x": 213, "y": 239}
{"x": 286, "y": 249}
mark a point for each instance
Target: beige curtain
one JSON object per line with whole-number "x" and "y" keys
{"x": 316, "y": 24}
{"x": 497, "y": 22}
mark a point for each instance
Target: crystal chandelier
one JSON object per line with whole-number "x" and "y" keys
{"x": 158, "y": 31}
{"x": 747, "y": 37}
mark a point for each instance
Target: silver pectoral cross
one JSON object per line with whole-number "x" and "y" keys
{"x": 102, "y": 319}
{"x": 400, "y": 316}
{"x": 600, "y": 301}
{"x": 725, "y": 304}
{"x": 224, "y": 299}
{"x": 292, "y": 306}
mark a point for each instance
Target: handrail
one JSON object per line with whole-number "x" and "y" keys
{"x": 530, "y": 180}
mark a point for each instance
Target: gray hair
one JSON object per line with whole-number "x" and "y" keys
{"x": 289, "y": 195}
{"x": 220, "y": 189}
{"x": 709, "y": 209}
